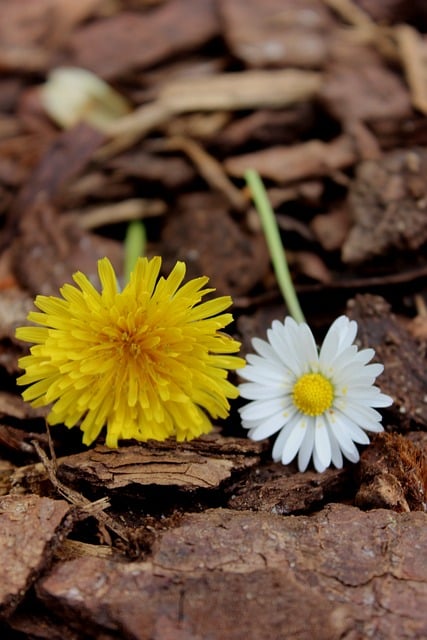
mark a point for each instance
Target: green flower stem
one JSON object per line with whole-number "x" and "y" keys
{"x": 274, "y": 243}
{"x": 135, "y": 243}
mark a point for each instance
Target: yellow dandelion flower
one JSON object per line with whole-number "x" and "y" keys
{"x": 148, "y": 362}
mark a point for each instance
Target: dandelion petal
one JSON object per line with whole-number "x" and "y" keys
{"x": 147, "y": 362}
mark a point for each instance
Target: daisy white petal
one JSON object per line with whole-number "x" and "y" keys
{"x": 259, "y": 408}
{"x": 308, "y": 346}
{"x": 374, "y": 369}
{"x": 336, "y": 455}
{"x": 360, "y": 414}
{"x": 382, "y": 400}
{"x": 365, "y": 371}
{"x": 329, "y": 349}
{"x": 261, "y": 374}
{"x": 306, "y": 448}
{"x": 369, "y": 395}
{"x": 342, "y": 432}
{"x": 318, "y": 465}
{"x": 322, "y": 444}
{"x": 254, "y": 391}
{"x": 299, "y": 338}
{"x": 351, "y": 453}
{"x": 284, "y": 435}
{"x": 339, "y": 336}
{"x": 268, "y": 426}
{"x": 273, "y": 369}
{"x": 348, "y": 334}
{"x": 375, "y": 427}
{"x": 284, "y": 348}
{"x": 368, "y": 425}
{"x": 278, "y": 446}
{"x": 364, "y": 356}
{"x": 340, "y": 363}
{"x": 355, "y": 433}
{"x": 294, "y": 440}
{"x": 264, "y": 349}
{"x": 321, "y": 402}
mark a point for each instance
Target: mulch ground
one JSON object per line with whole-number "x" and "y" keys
{"x": 210, "y": 540}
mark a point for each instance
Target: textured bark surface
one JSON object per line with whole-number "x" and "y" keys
{"x": 201, "y": 464}
{"x": 331, "y": 575}
{"x": 209, "y": 539}
{"x": 403, "y": 356}
{"x": 30, "y": 528}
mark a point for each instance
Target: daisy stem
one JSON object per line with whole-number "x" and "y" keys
{"x": 274, "y": 243}
{"x": 134, "y": 246}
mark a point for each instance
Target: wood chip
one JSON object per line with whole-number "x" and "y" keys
{"x": 332, "y": 228}
{"x": 170, "y": 464}
{"x": 297, "y": 162}
{"x": 211, "y": 170}
{"x": 204, "y": 234}
{"x": 30, "y": 529}
{"x": 350, "y": 12}
{"x": 413, "y": 52}
{"x": 15, "y": 305}
{"x": 71, "y": 549}
{"x": 240, "y": 90}
{"x": 308, "y": 574}
{"x": 188, "y": 606}
{"x": 47, "y": 239}
{"x": 388, "y": 203}
{"x": 132, "y": 209}
{"x": 360, "y": 86}
{"x": 227, "y": 91}
{"x": 129, "y": 40}
{"x": 274, "y": 33}
{"x": 274, "y": 488}
{"x": 65, "y": 158}
{"x": 393, "y": 475}
{"x": 404, "y": 377}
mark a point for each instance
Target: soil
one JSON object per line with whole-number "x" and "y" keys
{"x": 211, "y": 540}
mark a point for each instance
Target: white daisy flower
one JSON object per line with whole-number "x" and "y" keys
{"x": 321, "y": 402}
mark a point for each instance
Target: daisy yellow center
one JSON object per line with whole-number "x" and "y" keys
{"x": 313, "y": 394}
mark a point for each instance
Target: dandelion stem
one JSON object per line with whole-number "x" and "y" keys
{"x": 135, "y": 242}
{"x": 274, "y": 243}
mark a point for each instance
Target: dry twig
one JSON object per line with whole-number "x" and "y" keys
{"x": 85, "y": 507}
{"x": 211, "y": 170}
{"x": 132, "y": 209}
{"x": 227, "y": 91}
{"x": 411, "y": 53}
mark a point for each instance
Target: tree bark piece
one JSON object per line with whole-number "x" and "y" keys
{"x": 275, "y": 488}
{"x": 275, "y": 33}
{"x": 404, "y": 377}
{"x": 201, "y": 464}
{"x": 133, "y": 40}
{"x": 393, "y": 474}
{"x": 30, "y": 529}
{"x": 227, "y": 575}
{"x": 297, "y": 162}
{"x": 388, "y": 202}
